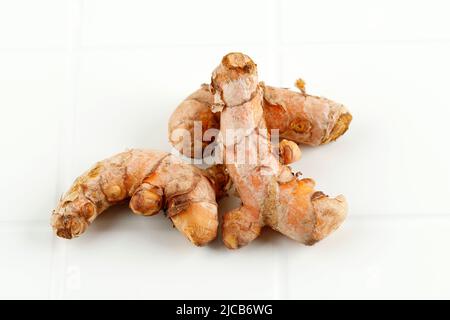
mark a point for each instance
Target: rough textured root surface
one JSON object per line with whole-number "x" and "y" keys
{"x": 302, "y": 118}
{"x": 153, "y": 181}
{"x": 270, "y": 193}
{"x": 195, "y": 108}
{"x": 289, "y": 152}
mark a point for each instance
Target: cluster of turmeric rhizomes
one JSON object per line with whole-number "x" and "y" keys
{"x": 271, "y": 194}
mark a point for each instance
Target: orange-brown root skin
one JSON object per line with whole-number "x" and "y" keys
{"x": 198, "y": 223}
{"x": 270, "y": 193}
{"x": 240, "y": 226}
{"x": 299, "y": 117}
{"x": 289, "y": 152}
{"x": 146, "y": 201}
{"x": 154, "y": 181}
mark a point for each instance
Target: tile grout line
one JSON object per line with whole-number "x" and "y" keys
{"x": 274, "y": 44}
{"x": 282, "y": 44}
{"x": 284, "y": 270}
{"x": 67, "y": 130}
{"x": 443, "y": 41}
{"x": 147, "y": 47}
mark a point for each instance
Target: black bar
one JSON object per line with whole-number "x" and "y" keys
{"x": 232, "y": 309}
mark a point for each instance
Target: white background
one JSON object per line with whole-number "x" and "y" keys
{"x": 82, "y": 80}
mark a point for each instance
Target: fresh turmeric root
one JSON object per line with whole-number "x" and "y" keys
{"x": 152, "y": 181}
{"x": 299, "y": 117}
{"x": 270, "y": 193}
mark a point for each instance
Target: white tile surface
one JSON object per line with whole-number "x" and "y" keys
{"x": 31, "y": 97}
{"x": 81, "y": 80}
{"x": 393, "y": 158}
{"x": 147, "y": 258}
{"x": 33, "y": 24}
{"x": 372, "y": 258}
{"x": 364, "y": 21}
{"x": 172, "y": 22}
{"x": 26, "y": 255}
{"x": 128, "y": 105}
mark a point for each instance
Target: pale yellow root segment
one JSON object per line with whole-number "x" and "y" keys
{"x": 299, "y": 117}
{"x": 153, "y": 181}
{"x": 270, "y": 193}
